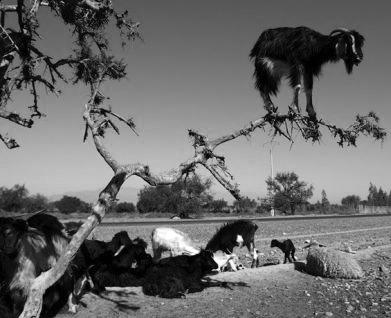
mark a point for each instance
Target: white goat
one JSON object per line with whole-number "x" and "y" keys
{"x": 227, "y": 262}
{"x": 171, "y": 240}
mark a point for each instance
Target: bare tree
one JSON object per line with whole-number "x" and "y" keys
{"x": 24, "y": 65}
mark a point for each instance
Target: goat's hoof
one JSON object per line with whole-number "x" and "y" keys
{"x": 72, "y": 309}
{"x": 271, "y": 109}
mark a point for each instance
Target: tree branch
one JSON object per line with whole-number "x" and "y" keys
{"x": 9, "y": 142}
{"x": 16, "y": 118}
{"x": 96, "y": 5}
{"x": 8, "y": 7}
{"x": 33, "y": 305}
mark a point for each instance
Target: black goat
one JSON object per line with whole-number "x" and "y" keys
{"x": 5, "y": 311}
{"x": 93, "y": 250}
{"x": 233, "y": 234}
{"x": 33, "y": 250}
{"x": 172, "y": 277}
{"x": 300, "y": 53}
{"x": 287, "y": 248}
{"x": 95, "y": 254}
{"x": 126, "y": 268}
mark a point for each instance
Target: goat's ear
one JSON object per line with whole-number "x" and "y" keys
{"x": 341, "y": 47}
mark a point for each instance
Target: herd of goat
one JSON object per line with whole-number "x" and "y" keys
{"x": 30, "y": 247}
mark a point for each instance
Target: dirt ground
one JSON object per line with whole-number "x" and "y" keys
{"x": 272, "y": 291}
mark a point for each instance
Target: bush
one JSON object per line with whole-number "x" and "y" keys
{"x": 69, "y": 204}
{"x": 35, "y": 203}
{"x": 245, "y": 205}
{"x": 125, "y": 207}
{"x": 13, "y": 199}
{"x": 182, "y": 197}
{"x": 217, "y": 206}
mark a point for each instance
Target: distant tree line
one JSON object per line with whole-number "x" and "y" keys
{"x": 376, "y": 197}
{"x": 17, "y": 199}
{"x": 287, "y": 194}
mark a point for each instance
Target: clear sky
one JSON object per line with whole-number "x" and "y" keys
{"x": 193, "y": 71}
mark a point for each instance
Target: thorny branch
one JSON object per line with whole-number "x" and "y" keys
{"x": 25, "y": 66}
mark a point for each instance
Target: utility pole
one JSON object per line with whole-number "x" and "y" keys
{"x": 272, "y": 176}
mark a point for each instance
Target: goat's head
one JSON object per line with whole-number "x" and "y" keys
{"x": 274, "y": 243}
{"x": 140, "y": 241}
{"x": 206, "y": 261}
{"x": 119, "y": 239}
{"x": 10, "y": 234}
{"x": 348, "y": 47}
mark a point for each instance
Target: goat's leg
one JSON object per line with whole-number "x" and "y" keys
{"x": 233, "y": 265}
{"x": 295, "y": 101}
{"x": 72, "y": 303}
{"x": 289, "y": 258}
{"x": 308, "y": 85}
{"x": 157, "y": 254}
{"x": 294, "y": 78}
{"x": 252, "y": 250}
{"x": 293, "y": 255}
{"x": 268, "y": 104}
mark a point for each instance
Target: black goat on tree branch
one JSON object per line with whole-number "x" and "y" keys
{"x": 92, "y": 65}
{"x": 299, "y": 53}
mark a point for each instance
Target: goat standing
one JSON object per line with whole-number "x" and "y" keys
{"x": 287, "y": 248}
{"x": 300, "y": 53}
{"x": 233, "y": 234}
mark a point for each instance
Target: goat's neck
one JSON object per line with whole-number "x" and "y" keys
{"x": 25, "y": 273}
{"x": 280, "y": 245}
{"x": 327, "y": 49}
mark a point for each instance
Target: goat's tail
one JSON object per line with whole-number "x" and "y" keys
{"x": 265, "y": 81}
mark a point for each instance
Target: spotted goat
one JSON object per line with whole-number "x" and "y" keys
{"x": 299, "y": 54}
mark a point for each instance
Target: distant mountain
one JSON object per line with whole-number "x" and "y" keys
{"x": 128, "y": 194}
{"x": 221, "y": 194}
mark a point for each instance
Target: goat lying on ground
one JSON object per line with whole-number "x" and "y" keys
{"x": 94, "y": 251}
{"x": 171, "y": 240}
{"x": 287, "y": 248}
{"x": 233, "y": 234}
{"x": 124, "y": 269}
{"x": 300, "y": 53}
{"x": 174, "y": 276}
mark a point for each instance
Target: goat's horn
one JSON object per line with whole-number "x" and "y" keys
{"x": 338, "y": 31}
{"x": 26, "y": 216}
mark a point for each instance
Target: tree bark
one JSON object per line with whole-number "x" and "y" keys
{"x": 33, "y": 304}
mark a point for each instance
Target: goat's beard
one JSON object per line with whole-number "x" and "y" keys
{"x": 349, "y": 66}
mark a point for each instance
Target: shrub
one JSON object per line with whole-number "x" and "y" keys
{"x": 69, "y": 204}
{"x": 125, "y": 207}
